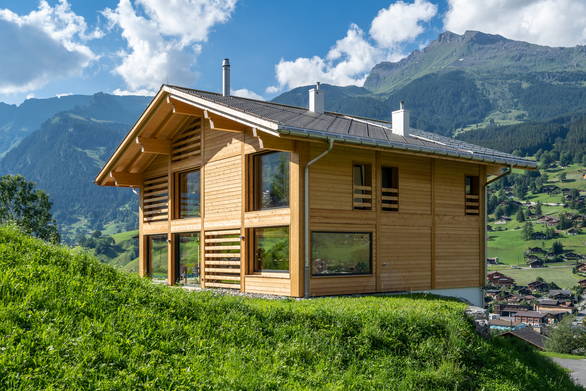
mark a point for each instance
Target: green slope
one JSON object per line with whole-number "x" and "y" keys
{"x": 70, "y": 322}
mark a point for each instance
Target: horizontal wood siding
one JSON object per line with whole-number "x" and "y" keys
{"x": 457, "y": 256}
{"x": 268, "y": 285}
{"x": 223, "y": 192}
{"x": 405, "y": 258}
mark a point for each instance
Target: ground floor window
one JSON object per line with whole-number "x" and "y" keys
{"x": 341, "y": 253}
{"x": 187, "y": 252}
{"x": 157, "y": 266}
{"x": 271, "y": 249}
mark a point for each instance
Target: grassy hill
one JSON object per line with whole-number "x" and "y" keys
{"x": 69, "y": 322}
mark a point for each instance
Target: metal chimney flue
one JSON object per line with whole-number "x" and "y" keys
{"x": 226, "y": 77}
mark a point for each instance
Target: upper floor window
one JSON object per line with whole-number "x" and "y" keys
{"x": 472, "y": 195}
{"x": 362, "y": 186}
{"x": 188, "y": 187}
{"x": 390, "y": 188}
{"x": 271, "y": 180}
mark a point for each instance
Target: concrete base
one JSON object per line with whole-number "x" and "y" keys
{"x": 473, "y": 296}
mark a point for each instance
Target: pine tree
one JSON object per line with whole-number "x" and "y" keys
{"x": 520, "y": 215}
{"x": 527, "y": 231}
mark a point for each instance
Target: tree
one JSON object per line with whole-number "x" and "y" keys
{"x": 520, "y": 215}
{"x": 27, "y": 207}
{"x": 527, "y": 231}
{"x": 566, "y": 159}
{"x": 562, "y": 176}
{"x": 538, "y": 211}
{"x": 564, "y": 338}
{"x": 520, "y": 191}
{"x": 564, "y": 222}
{"x": 557, "y": 247}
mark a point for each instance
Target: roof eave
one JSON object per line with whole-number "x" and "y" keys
{"x": 300, "y": 132}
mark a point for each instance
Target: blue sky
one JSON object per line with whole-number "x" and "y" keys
{"x": 54, "y": 47}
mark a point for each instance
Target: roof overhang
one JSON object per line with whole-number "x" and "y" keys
{"x": 169, "y": 110}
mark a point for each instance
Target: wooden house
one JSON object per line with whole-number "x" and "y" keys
{"x": 268, "y": 198}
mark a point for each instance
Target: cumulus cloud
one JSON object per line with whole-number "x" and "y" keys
{"x": 246, "y": 93}
{"x": 544, "y": 22}
{"x": 164, "y": 39}
{"x": 349, "y": 60}
{"x": 47, "y": 43}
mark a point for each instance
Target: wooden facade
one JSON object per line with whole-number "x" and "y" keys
{"x": 427, "y": 233}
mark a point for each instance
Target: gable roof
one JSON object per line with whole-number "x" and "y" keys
{"x": 528, "y": 335}
{"x": 298, "y": 121}
{"x": 290, "y": 121}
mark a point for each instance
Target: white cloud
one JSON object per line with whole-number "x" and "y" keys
{"x": 350, "y": 59}
{"x": 143, "y": 92}
{"x": 246, "y": 93}
{"x": 164, "y": 39}
{"x": 47, "y": 43}
{"x": 544, "y": 22}
{"x": 401, "y": 22}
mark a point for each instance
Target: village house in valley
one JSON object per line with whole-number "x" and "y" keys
{"x": 268, "y": 198}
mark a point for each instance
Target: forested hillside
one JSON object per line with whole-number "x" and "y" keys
{"x": 65, "y": 154}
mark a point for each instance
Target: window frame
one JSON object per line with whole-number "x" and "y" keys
{"x": 368, "y": 176}
{"x": 149, "y": 257}
{"x": 371, "y": 254}
{"x": 472, "y": 210}
{"x": 176, "y": 258}
{"x": 177, "y": 193}
{"x": 252, "y": 254}
{"x": 255, "y": 178}
{"x": 384, "y": 207}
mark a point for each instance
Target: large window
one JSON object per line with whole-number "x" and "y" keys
{"x": 271, "y": 180}
{"x": 472, "y": 196}
{"x": 389, "y": 188}
{"x": 188, "y": 192}
{"x": 157, "y": 267}
{"x": 271, "y": 249}
{"x": 341, "y": 253}
{"x": 187, "y": 258}
{"x": 362, "y": 186}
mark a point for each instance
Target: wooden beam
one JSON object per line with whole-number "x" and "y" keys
{"x": 156, "y": 146}
{"x": 126, "y": 179}
{"x": 224, "y": 124}
{"x": 182, "y": 108}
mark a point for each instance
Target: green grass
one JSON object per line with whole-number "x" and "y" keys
{"x": 562, "y": 276}
{"x": 562, "y": 355}
{"x": 68, "y": 322}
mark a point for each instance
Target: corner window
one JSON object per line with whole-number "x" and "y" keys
{"x": 271, "y": 249}
{"x": 188, "y": 194}
{"x": 341, "y": 253}
{"x": 390, "y": 189}
{"x": 271, "y": 180}
{"x": 157, "y": 251}
{"x": 187, "y": 247}
{"x": 472, "y": 195}
{"x": 362, "y": 186}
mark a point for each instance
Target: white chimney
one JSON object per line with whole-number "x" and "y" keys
{"x": 400, "y": 121}
{"x": 226, "y": 77}
{"x": 316, "y": 100}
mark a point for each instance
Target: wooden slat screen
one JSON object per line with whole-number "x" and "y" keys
{"x": 188, "y": 143}
{"x": 362, "y": 197}
{"x": 390, "y": 199}
{"x": 472, "y": 205}
{"x": 155, "y": 203}
{"x": 222, "y": 259}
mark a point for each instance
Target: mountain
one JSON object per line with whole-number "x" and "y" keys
{"x": 65, "y": 154}
{"x": 459, "y": 82}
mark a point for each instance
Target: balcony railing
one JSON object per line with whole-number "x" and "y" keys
{"x": 362, "y": 197}
{"x": 472, "y": 204}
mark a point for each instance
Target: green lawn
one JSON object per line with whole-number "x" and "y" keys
{"x": 68, "y": 322}
{"x": 562, "y": 355}
{"x": 562, "y": 276}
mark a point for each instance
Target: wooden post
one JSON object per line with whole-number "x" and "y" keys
{"x": 433, "y": 223}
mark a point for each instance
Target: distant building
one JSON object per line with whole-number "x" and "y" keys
{"x": 539, "y": 286}
{"x": 526, "y": 334}
{"x": 533, "y": 318}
